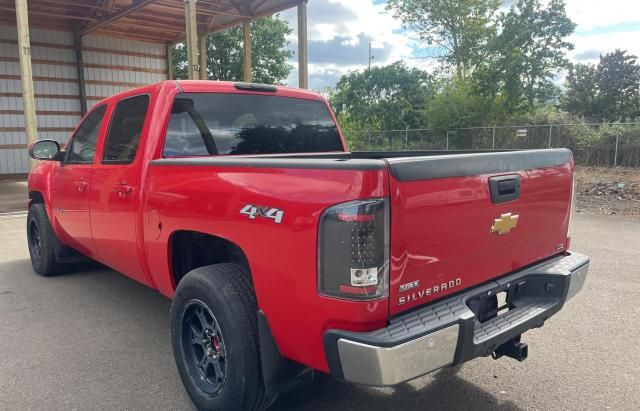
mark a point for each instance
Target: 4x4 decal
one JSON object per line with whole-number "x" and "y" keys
{"x": 266, "y": 212}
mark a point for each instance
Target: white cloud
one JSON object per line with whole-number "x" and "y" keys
{"x": 339, "y": 33}
{"x": 335, "y": 24}
{"x": 588, "y": 14}
{"x": 602, "y": 27}
{"x": 590, "y": 46}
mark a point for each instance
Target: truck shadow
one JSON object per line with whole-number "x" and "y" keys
{"x": 103, "y": 310}
{"x": 441, "y": 391}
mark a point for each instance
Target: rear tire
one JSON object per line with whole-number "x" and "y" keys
{"x": 214, "y": 335}
{"x": 40, "y": 237}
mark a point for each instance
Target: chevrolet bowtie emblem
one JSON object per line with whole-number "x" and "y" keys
{"x": 504, "y": 224}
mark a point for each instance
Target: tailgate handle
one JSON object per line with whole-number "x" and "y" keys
{"x": 504, "y": 188}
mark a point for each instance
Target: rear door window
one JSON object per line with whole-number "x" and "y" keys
{"x": 125, "y": 130}
{"x": 230, "y": 124}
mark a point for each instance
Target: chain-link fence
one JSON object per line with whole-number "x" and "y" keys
{"x": 616, "y": 144}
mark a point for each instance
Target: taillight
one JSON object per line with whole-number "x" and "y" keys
{"x": 353, "y": 250}
{"x": 572, "y": 206}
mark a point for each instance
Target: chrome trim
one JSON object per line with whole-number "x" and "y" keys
{"x": 384, "y": 366}
{"x": 578, "y": 278}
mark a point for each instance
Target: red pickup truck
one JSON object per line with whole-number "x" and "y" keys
{"x": 284, "y": 253}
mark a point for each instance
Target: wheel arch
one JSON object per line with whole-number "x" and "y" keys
{"x": 189, "y": 250}
{"x": 35, "y": 197}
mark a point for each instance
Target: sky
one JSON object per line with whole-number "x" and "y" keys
{"x": 340, "y": 32}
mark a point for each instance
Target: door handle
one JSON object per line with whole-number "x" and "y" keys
{"x": 504, "y": 188}
{"x": 81, "y": 186}
{"x": 123, "y": 189}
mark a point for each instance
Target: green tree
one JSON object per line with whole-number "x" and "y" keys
{"x": 581, "y": 88}
{"x": 618, "y": 79}
{"x": 461, "y": 27}
{"x": 532, "y": 47}
{"x": 608, "y": 91}
{"x": 225, "y": 57}
{"x": 457, "y": 106}
{"x": 382, "y": 98}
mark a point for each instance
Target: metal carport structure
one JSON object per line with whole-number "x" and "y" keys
{"x": 58, "y": 57}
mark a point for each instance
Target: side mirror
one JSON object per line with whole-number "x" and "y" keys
{"x": 45, "y": 150}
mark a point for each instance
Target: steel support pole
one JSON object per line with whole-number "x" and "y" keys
{"x": 303, "y": 60}
{"x": 406, "y": 138}
{"x": 246, "y": 29}
{"x": 202, "y": 53}
{"x": 493, "y": 139}
{"x": 26, "y": 74}
{"x": 82, "y": 87}
{"x": 615, "y": 154}
{"x": 191, "y": 23}
{"x": 447, "y": 140}
{"x": 550, "y": 128}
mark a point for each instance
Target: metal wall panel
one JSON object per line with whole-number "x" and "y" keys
{"x": 48, "y": 62}
{"x": 111, "y": 65}
{"x": 115, "y": 65}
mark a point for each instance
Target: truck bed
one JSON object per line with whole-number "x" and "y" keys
{"x": 443, "y": 211}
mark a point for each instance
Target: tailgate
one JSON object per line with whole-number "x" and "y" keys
{"x": 460, "y": 220}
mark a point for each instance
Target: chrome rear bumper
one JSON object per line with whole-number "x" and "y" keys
{"x": 448, "y": 332}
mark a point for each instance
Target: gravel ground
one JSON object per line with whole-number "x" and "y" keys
{"x": 610, "y": 191}
{"x": 97, "y": 340}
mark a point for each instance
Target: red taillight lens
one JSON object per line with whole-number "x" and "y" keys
{"x": 353, "y": 260}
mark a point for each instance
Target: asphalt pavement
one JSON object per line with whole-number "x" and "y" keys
{"x": 97, "y": 340}
{"x": 13, "y": 196}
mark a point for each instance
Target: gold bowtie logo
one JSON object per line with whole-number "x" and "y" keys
{"x": 504, "y": 224}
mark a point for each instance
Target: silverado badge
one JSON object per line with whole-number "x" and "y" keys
{"x": 504, "y": 224}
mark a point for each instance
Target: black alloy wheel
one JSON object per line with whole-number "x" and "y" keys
{"x": 204, "y": 348}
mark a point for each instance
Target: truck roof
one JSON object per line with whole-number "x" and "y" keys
{"x": 214, "y": 86}
{"x": 199, "y": 86}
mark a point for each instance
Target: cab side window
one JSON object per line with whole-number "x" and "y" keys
{"x": 125, "y": 130}
{"x": 83, "y": 142}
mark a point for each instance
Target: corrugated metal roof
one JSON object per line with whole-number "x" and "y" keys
{"x": 149, "y": 20}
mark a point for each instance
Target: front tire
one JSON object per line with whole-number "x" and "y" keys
{"x": 40, "y": 237}
{"x": 214, "y": 335}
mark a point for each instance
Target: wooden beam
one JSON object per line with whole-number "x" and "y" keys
{"x": 51, "y": 14}
{"x": 12, "y": 146}
{"x": 26, "y": 74}
{"x": 13, "y": 177}
{"x": 40, "y": 44}
{"x": 258, "y": 5}
{"x": 202, "y": 49}
{"x": 303, "y": 58}
{"x": 57, "y": 3}
{"x": 130, "y": 35}
{"x": 207, "y": 10}
{"x": 82, "y": 87}
{"x": 257, "y": 15}
{"x": 136, "y": 5}
{"x": 45, "y": 112}
{"x": 125, "y": 53}
{"x": 192, "y": 38}
{"x": 170, "y": 61}
{"x": 127, "y": 27}
{"x": 42, "y": 95}
{"x": 246, "y": 27}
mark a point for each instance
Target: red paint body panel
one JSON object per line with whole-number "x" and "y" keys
{"x": 441, "y": 231}
{"x": 282, "y": 257}
{"x": 439, "y": 228}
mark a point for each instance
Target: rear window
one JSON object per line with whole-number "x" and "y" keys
{"x": 203, "y": 124}
{"x": 125, "y": 130}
